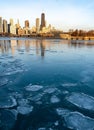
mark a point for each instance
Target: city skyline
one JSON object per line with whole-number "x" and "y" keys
{"x": 62, "y": 14}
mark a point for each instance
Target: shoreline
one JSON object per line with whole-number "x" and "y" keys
{"x": 73, "y": 38}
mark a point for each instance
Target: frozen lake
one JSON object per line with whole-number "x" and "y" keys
{"x": 46, "y": 84}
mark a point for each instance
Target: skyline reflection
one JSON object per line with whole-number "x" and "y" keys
{"x": 40, "y": 46}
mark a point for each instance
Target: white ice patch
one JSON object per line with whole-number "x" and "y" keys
{"x": 12, "y": 72}
{"x": 55, "y": 99}
{"x": 50, "y": 90}
{"x": 62, "y": 112}
{"x": 24, "y": 110}
{"x": 77, "y": 121}
{"x": 8, "y": 102}
{"x": 69, "y": 84}
{"x": 37, "y": 97}
{"x": 31, "y": 87}
{"x": 56, "y": 123}
{"x": 41, "y": 128}
{"x": 23, "y": 102}
{"x": 81, "y": 100}
{"x": 65, "y": 92}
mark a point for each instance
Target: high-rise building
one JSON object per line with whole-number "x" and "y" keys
{"x": 37, "y": 25}
{"x": 1, "y": 25}
{"x": 5, "y": 26}
{"x": 18, "y": 24}
{"x": 26, "y": 24}
{"x": 11, "y": 22}
{"x": 12, "y": 27}
{"x": 42, "y": 21}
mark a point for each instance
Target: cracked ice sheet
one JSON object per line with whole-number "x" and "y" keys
{"x": 78, "y": 121}
{"x": 81, "y": 100}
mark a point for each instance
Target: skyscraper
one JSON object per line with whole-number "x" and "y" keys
{"x": 12, "y": 27}
{"x": 1, "y": 25}
{"x": 42, "y": 21}
{"x": 11, "y": 22}
{"x": 37, "y": 25}
{"x": 26, "y": 24}
{"x": 5, "y": 26}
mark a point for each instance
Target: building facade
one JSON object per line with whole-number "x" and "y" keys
{"x": 5, "y": 26}
{"x": 1, "y": 25}
{"x": 37, "y": 25}
{"x": 27, "y": 24}
{"x": 42, "y": 21}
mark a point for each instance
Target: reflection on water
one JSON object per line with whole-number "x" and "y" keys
{"x": 40, "y": 45}
{"x": 46, "y": 84}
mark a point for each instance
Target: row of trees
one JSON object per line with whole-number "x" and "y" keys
{"x": 82, "y": 33}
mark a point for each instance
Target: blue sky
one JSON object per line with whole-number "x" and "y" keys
{"x": 63, "y": 14}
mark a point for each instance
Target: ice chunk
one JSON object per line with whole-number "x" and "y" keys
{"x": 56, "y": 123}
{"x": 24, "y": 110}
{"x": 3, "y": 81}
{"x": 23, "y": 102}
{"x": 7, "y": 102}
{"x": 41, "y": 128}
{"x": 55, "y": 99}
{"x": 33, "y": 87}
{"x": 50, "y": 90}
{"x": 36, "y": 98}
{"x": 65, "y": 92}
{"x": 62, "y": 112}
{"x": 82, "y": 100}
{"x": 78, "y": 121}
{"x": 69, "y": 84}
{"x": 13, "y": 72}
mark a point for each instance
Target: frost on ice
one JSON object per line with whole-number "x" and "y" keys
{"x": 81, "y": 100}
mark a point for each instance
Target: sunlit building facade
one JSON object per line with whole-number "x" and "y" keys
{"x": 27, "y": 24}
{"x": 5, "y": 26}
{"x": 37, "y": 25}
{"x": 1, "y": 25}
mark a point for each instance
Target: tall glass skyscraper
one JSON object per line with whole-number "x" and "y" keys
{"x": 42, "y": 21}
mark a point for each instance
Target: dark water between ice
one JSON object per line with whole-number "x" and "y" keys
{"x": 46, "y": 84}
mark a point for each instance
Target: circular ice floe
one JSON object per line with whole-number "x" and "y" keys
{"x": 55, "y": 99}
{"x": 31, "y": 87}
{"x": 81, "y": 100}
{"x": 7, "y": 102}
{"x": 24, "y": 110}
{"x": 78, "y": 121}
